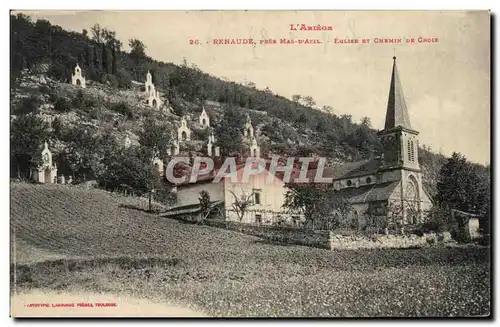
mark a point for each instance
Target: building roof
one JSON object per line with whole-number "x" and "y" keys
{"x": 348, "y": 170}
{"x": 397, "y": 112}
{"x": 353, "y": 169}
{"x": 368, "y": 193}
{"x": 190, "y": 208}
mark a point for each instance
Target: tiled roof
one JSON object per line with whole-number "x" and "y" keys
{"x": 353, "y": 169}
{"x": 368, "y": 193}
{"x": 349, "y": 170}
{"x": 190, "y": 208}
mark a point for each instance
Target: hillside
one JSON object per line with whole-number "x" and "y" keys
{"x": 73, "y": 240}
{"x": 57, "y": 221}
{"x": 43, "y": 59}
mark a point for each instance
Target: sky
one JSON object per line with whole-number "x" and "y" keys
{"x": 446, "y": 83}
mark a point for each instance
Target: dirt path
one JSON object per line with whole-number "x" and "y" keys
{"x": 56, "y": 304}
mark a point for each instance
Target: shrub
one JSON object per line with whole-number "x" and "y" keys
{"x": 44, "y": 89}
{"x": 58, "y": 71}
{"x": 78, "y": 100}
{"x": 201, "y": 134}
{"x": 89, "y": 103}
{"x": 62, "y": 105}
{"x": 123, "y": 78}
{"x": 124, "y": 109}
{"x": 57, "y": 127}
{"x": 28, "y": 105}
{"x": 177, "y": 107}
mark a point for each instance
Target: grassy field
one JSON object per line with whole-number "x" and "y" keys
{"x": 72, "y": 240}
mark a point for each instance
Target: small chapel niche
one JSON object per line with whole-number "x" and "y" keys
{"x": 248, "y": 128}
{"x": 183, "y": 132}
{"x": 254, "y": 149}
{"x": 47, "y": 171}
{"x": 77, "y": 78}
{"x": 204, "y": 119}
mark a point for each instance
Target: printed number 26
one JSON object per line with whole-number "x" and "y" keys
{"x": 194, "y": 42}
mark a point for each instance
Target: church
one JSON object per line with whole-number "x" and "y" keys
{"x": 393, "y": 179}
{"x": 390, "y": 184}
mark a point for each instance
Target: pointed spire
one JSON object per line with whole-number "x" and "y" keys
{"x": 397, "y": 113}
{"x": 46, "y": 145}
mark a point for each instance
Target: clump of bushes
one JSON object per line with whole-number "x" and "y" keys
{"x": 28, "y": 105}
{"x": 124, "y": 109}
{"x": 62, "y": 105}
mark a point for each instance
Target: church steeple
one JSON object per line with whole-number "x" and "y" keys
{"x": 399, "y": 140}
{"x": 397, "y": 113}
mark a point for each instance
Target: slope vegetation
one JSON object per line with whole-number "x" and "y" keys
{"x": 74, "y": 240}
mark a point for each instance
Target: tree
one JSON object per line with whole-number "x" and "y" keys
{"x": 306, "y": 199}
{"x": 138, "y": 49}
{"x": 251, "y": 85}
{"x": 130, "y": 171}
{"x": 241, "y": 203}
{"x": 96, "y": 33}
{"x": 328, "y": 109}
{"x": 460, "y": 186}
{"x": 28, "y": 105}
{"x": 205, "y": 204}
{"x": 340, "y": 206}
{"x": 27, "y": 136}
{"x": 309, "y": 101}
{"x": 366, "y": 122}
{"x": 228, "y": 130}
{"x": 296, "y": 98}
{"x": 155, "y": 136}
{"x": 80, "y": 151}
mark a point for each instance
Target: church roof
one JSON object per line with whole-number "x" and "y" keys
{"x": 353, "y": 169}
{"x": 397, "y": 112}
{"x": 187, "y": 209}
{"x": 368, "y": 193}
{"x": 348, "y": 170}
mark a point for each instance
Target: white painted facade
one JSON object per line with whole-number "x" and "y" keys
{"x": 77, "y": 78}
{"x": 267, "y": 198}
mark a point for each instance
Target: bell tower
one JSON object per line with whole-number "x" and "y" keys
{"x": 399, "y": 140}
{"x": 400, "y": 147}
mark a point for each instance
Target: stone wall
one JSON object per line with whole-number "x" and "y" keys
{"x": 386, "y": 241}
{"x": 284, "y": 235}
{"x": 332, "y": 240}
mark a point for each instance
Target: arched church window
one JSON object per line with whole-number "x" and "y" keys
{"x": 349, "y": 183}
{"x": 368, "y": 180}
{"x": 184, "y": 136}
{"x": 204, "y": 122}
{"x": 412, "y": 200}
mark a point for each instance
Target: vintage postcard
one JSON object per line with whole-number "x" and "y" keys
{"x": 250, "y": 164}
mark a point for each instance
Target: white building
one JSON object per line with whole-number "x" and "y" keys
{"x": 183, "y": 132}
{"x": 266, "y": 197}
{"x": 46, "y": 172}
{"x": 77, "y": 78}
{"x": 204, "y": 119}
